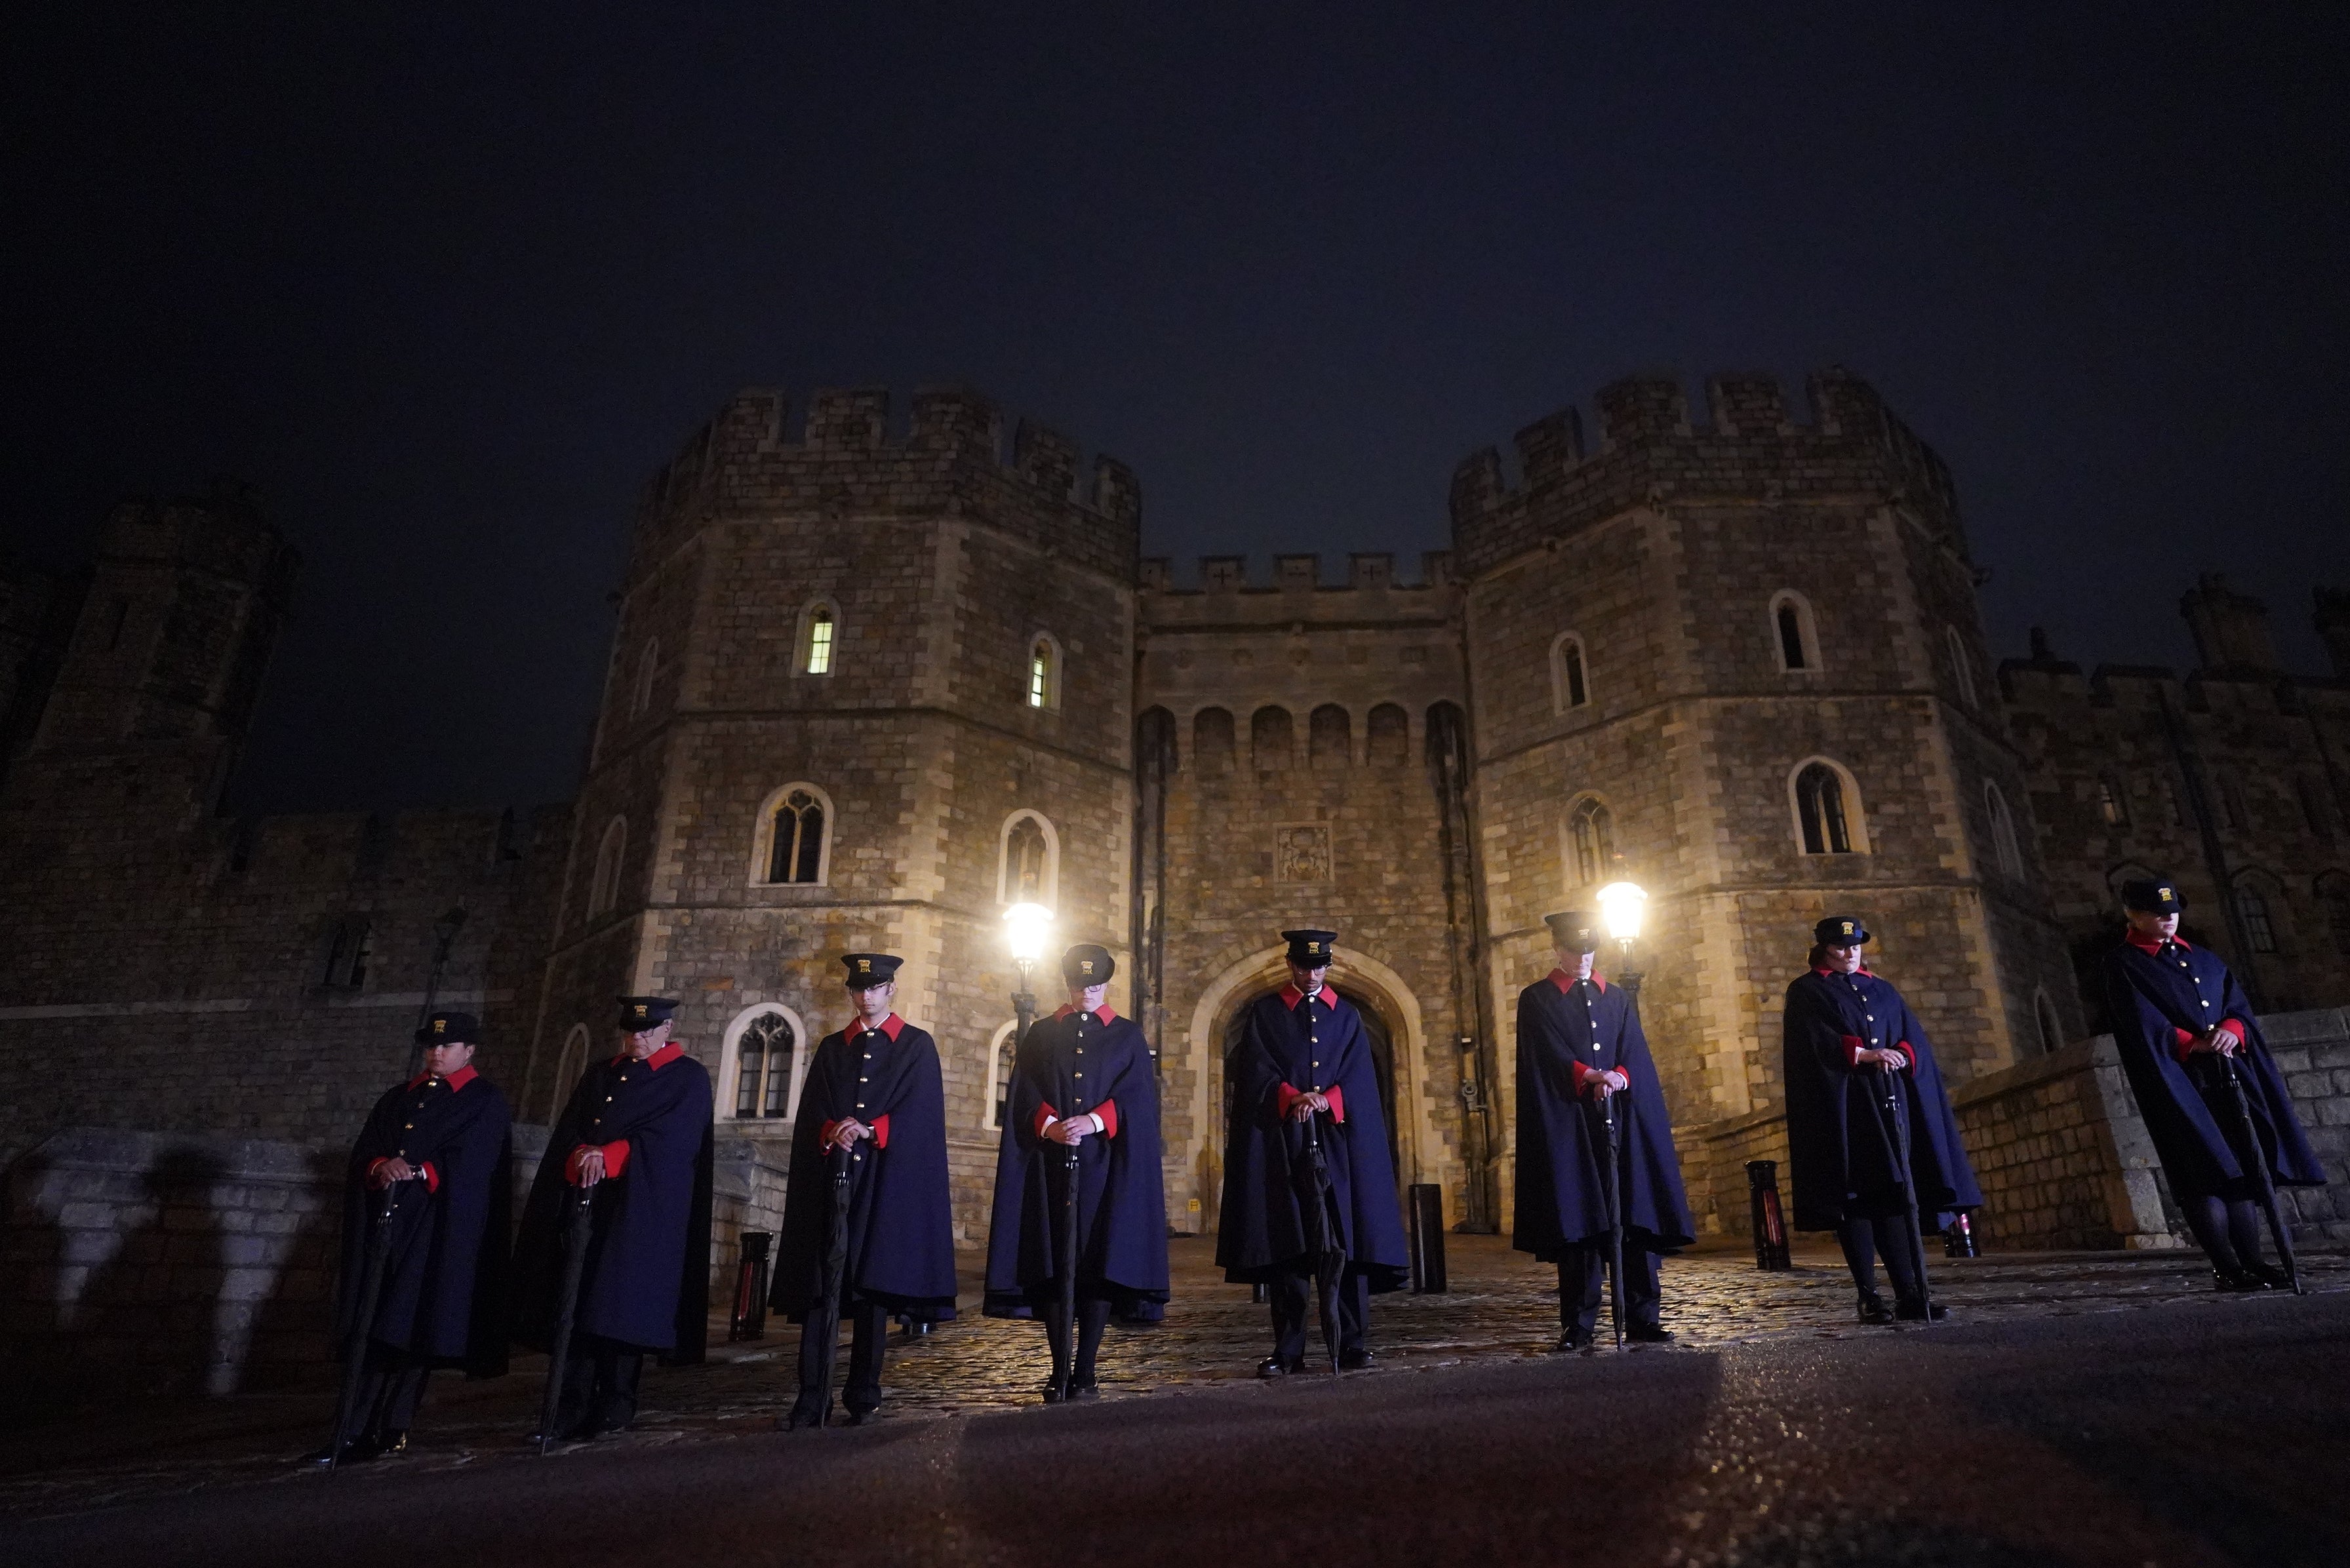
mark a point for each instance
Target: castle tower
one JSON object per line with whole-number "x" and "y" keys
{"x": 865, "y": 691}
{"x": 154, "y": 694}
{"x": 1740, "y": 664}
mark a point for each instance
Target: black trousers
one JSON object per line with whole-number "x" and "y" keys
{"x": 1093, "y": 1317}
{"x": 1892, "y": 1235}
{"x": 390, "y": 1389}
{"x": 599, "y": 1386}
{"x": 1295, "y": 1313}
{"x": 868, "y": 1335}
{"x": 1581, "y": 1292}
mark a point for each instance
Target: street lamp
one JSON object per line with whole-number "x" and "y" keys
{"x": 1621, "y": 906}
{"x": 1027, "y": 927}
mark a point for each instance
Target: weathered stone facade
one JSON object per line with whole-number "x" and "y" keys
{"x": 953, "y": 657}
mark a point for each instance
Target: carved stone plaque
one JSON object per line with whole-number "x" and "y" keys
{"x": 1301, "y": 854}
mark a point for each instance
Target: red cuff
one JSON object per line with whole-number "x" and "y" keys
{"x": 432, "y": 1177}
{"x": 824, "y": 1134}
{"x": 1107, "y": 1114}
{"x": 1287, "y": 1098}
{"x": 1046, "y": 1116}
{"x": 880, "y": 1125}
{"x": 1908, "y": 1050}
{"x": 375, "y": 1172}
{"x": 1853, "y": 1046}
{"x": 1585, "y": 1073}
{"x": 1337, "y": 1098}
{"x": 2183, "y": 1046}
{"x": 616, "y": 1159}
{"x": 2243, "y": 1030}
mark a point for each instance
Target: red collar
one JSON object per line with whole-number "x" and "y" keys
{"x": 1818, "y": 969}
{"x": 2143, "y": 946}
{"x": 457, "y": 1080}
{"x": 658, "y": 1060}
{"x": 1291, "y": 996}
{"x": 1566, "y": 982}
{"x": 1102, "y": 1013}
{"x": 890, "y": 1026}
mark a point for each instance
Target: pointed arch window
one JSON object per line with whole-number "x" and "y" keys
{"x": 2004, "y": 847}
{"x": 604, "y": 888}
{"x": 2260, "y": 925}
{"x": 1827, "y": 810}
{"x": 1795, "y": 638}
{"x": 1962, "y": 668}
{"x": 766, "y": 1051}
{"x": 1043, "y": 679}
{"x": 1028, "y": 866}
{"x": 2044, "y": 1014}
{"x": 352, "y": 952}
{"x": 1590, "y": 842}
{"x": 795, "y": 838}
{"x": 1001, "y": 1047}
{"x": 2113, "y": 804}
{"x": 647, "y": 665}
{"x": 819, "y": 638}
{"x": 1570, "y": 684}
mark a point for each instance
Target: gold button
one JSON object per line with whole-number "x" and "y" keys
{"x": 412, "y": 1127}
{"x": 1081, "y": 1075}
{"x": 860, "y": 1105}
{"x": 607, "y": 1099}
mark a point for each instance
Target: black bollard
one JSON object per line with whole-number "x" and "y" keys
{"x": 749, "y": 1320}
{"x": 1427, "y": 1202}
{"x": 1770, "y": 1223}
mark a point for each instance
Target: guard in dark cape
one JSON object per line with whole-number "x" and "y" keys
{"x": 1303, "y": 1054}
{"x": 1845, "y": 1031}
{"x": 2177, "y": 1014}
{"x": 1082, "y": 1078}
{"x": 638, "y": 1132}
{"x": 873, "y": 1089}
{"x": 443, "y": 1140}
{"x": 1580, "y": 1050}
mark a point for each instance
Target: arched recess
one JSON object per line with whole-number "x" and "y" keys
{"x": 1570, "y": 673}
{"x": 2005, "y": 848}
{"x": 1330, "y": 737}
{"x": 1028, "y": 860}
{"x": 604, "y": 888}
{"x": 1212, "y": 741}
{"x": 568, "y": 1065}
{"x": 1000, "y": 1047}
{"x": 1809, "y": 803}
{"x": 2043, "y": 1015}
{"x": 1962, "y": 665}
{"x": 729, "y": 1103}
{"x": 787, "y": 820}
{"x": 1587, "y": 846}
{"x": 1420, "y": 1156}
{"x": 2261, "y": 905}
{"x": 1042, "y": 671}
{"x": 1273, "y": 739}
{"x": 648, "y": 666}
{"x": 1794, "y": 633}
{"x": 1389, "y": 742}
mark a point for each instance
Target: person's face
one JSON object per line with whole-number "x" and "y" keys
{"x": 451, "y": 1056}
{"x": 2147, "y": 923}
{"x": 1844, "y": 960}
{"x": 873, "y": 1002}
{"x": 1089, "y": 998}
{"x": 644, "y": 1043}
{"x": 1574, "y": 963}
{"x": 1308, "y": 980}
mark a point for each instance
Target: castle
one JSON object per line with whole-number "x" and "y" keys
{"x": 870, "y": 684}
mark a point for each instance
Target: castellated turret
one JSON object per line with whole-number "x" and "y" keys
{"x": 1738, "y": 661}
{"x": 869, "y": 686}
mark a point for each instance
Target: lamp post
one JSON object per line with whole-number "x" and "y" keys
{"x": 1027, "y": 927}
{"x": 444, "y": 937}
{"x": 1621, "y": 906}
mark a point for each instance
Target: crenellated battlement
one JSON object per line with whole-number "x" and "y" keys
{"x": 849, "y": 450}
{"x": 1368, "y": 572}
{"x": 1751, "y": 446}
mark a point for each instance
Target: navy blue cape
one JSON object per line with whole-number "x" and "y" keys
{"x": 1121, "y": 1190}
{"x": 2189, "y": 1111}
{"x": 445, "y": 1285}
{"x": 1562, "y": 1198}
{"x": 646, "y": 1281}
{"x": 901, "y": 1219}
{"x": 1262, "y": 1230}
{"x": 1837, "y": 1140}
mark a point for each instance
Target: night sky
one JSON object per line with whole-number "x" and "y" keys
{"x": 447, "y": 283}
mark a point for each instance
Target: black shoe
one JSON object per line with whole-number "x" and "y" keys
{"x": 1088, "y": 1389}
{"x": 357, "y": 1453}
{"x": 1649, "y": 1334}
{"x": 1912, "y": 1311}
{"x": 1355, "y": 1357}
{"x": 2237, "y": 1280}
{"x": 1280, "y": 1366}
{"x": 1052, "y": 1391}
{"x": 1873, "y": 1308}
{"x": 1574, "y": 1341}
{"x": 802, "y": 1416}
{"x": 391, "y": 1445}
{"x": 863, "y": 1417}
{"x": 2276, "y": 1279}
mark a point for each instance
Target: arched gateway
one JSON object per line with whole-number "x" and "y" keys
{"x": 1390, "y": 1014}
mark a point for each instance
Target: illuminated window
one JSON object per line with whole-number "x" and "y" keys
{"x": 2112, "y": 805}
{"x": 820, "y": 642}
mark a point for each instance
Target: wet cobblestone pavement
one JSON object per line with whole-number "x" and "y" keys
{"x": 1500, "y": 1306}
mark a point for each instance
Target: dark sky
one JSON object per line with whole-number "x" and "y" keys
{"x": 447, "y": 283}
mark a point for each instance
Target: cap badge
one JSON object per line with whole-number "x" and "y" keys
{"x": 440, "y": 1026}
{"x": 2165, "y": 893}
{"x": 1847, "y": 927}
{"x": 865, "y": 966}
{"x": 640, "y": 1010}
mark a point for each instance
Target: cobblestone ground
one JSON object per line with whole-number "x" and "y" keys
{"x": 1501, "y": 1305}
